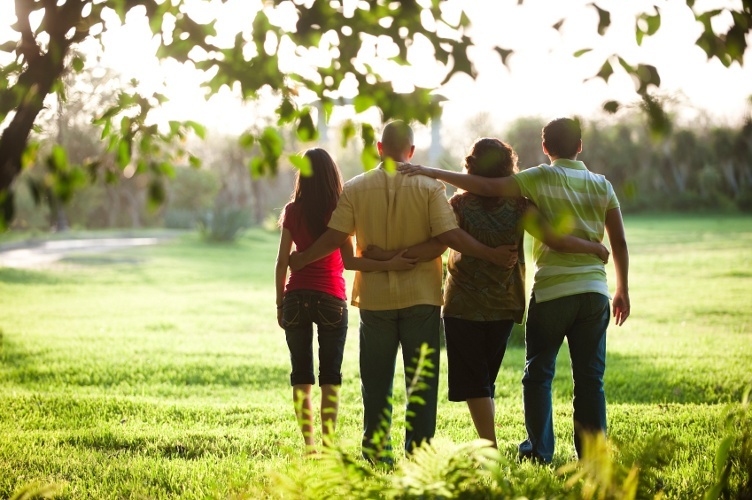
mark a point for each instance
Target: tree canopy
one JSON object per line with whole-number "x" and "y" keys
{"x": 48, "y": 32}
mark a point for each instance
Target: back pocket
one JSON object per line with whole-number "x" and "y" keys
{"x": 290, "y": 312}
{"x": 330, "y": 311}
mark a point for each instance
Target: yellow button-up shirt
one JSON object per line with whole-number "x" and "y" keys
{"x": 394, "y": 211}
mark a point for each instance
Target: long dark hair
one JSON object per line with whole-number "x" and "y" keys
{"x": 316, "y": 195}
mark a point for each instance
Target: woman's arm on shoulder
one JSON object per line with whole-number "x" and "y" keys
{"x": 483, "y": 186}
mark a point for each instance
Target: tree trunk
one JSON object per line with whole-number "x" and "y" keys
{"x": 27, "y": 95}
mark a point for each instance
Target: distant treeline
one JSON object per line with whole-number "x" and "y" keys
{"x": 690, "y": 169}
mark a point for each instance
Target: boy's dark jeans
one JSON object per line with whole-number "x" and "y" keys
{"x": 583, "y": 320}
{"x": 300, "y": 310}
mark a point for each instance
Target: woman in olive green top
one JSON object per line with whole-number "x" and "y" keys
{"x": 482, "y": 301}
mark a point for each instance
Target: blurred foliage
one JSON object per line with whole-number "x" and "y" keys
{"x": 43, "y": 53}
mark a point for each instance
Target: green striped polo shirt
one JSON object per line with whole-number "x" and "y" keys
{"x": 575, "y": 201}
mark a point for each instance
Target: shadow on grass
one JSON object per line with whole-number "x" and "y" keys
{"x": 40, "y": 371}
{"x": 640, "y": 380}
{"x": 27, "y": 277}
{"x": 185, "y": 446}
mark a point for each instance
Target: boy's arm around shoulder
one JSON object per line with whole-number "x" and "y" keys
{"x": 483, "y": 186}
{"x": 620, "y": 254}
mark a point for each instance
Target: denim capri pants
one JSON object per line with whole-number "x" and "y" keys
{"x": 300, "y": 310}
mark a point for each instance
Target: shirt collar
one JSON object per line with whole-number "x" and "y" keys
{"x": 573, "y": 164}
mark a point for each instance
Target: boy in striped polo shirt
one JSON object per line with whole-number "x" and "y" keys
{"x": 570, "y": 294}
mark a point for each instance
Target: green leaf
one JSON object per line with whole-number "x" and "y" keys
{"x": 348, "y": 132}
{"x": 369, "y": 158}
{"x": 9, "y": 46}
{"x": 627, "y": 67}
{"x": 285, "y": 111}
{"x": 611, "y": 107}
{"x": 389, "y": 165}
{"x": 362, "y": 102}
{"x": 604, "y": 19}
{"x": 29, "y": 155}
{"x": 368, "y": 134}
{"x": 647, "y": 75}
{"x": 504, "y": 53}
{"x": 58, "y": 159}
{"x": 647, "y": 25}
{"x": 302, "y": 163}
{"x": 256, "y": 166}
{"x": 197, "y": 128}
{"x": 247, "y": 140}
{"x": 654, "y": 23}
{"x": 605, "y": 72}
{"x": 659, "y": 123}
{"x": 271, "y": 142}
{"x": 581, "y": 52}
{"x": 123, "y": 153}
{"x": 174, "y": 127}
{"x": 77, "y": 63}
{"x": 306, "y": 129}
{"x": 156, "y": 194}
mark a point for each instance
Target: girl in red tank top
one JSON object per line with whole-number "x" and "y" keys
{"x": 316, "y": 293}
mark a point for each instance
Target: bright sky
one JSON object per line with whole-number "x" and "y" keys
{"x": 543, "y": 78}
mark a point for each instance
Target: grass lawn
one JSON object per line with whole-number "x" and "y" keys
{"x": 158, "y": 372}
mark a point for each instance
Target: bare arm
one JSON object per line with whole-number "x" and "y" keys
{"x": 615, "y": 230}
{"x": 483, "y": 186}
{"x": 459, "y": 240}
{"x": 280, "y": 270}
{"x": 397, "y": 262}
{"x": 537, "y": 225}
{"x": 422, "y": 252}
{"x": 328, "y": 242}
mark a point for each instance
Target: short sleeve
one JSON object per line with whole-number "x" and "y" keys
{"x": 528, "y": 180}
{"x": 456, "y": 203}
{"x": 287, "y": 216}
{"x": 613, "y": 201}
{"x": 343, "y": 217}
{"x": 440, "y": 213}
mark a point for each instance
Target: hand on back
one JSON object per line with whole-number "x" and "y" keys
{"x": 401, "y": 263}
{"x": 603, "y": 254}
{"x": 296, "y": 261}
{"x": 505, "y": 256}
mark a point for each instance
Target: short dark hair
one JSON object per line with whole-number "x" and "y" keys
{"x": 562, "y": 137}
{"x": 396, "y": 137}
{"x": 491, "y": 157}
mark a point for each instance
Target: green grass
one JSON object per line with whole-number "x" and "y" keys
{"x": 159, "y": 372}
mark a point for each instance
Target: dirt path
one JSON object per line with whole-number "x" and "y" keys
{"x": 48, "y": 253}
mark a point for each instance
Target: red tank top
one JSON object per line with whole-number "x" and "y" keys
{"x": 324, "y": 275}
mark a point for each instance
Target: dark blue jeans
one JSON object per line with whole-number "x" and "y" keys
{"x": 300, "y": 310}
{"x": 583, "y": 320}
{"x": 381, "y": 334}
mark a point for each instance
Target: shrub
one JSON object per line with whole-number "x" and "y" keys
{"x": 223, "y": 224}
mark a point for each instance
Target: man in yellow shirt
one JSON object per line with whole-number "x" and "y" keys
{"x": 397, "y": 308}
